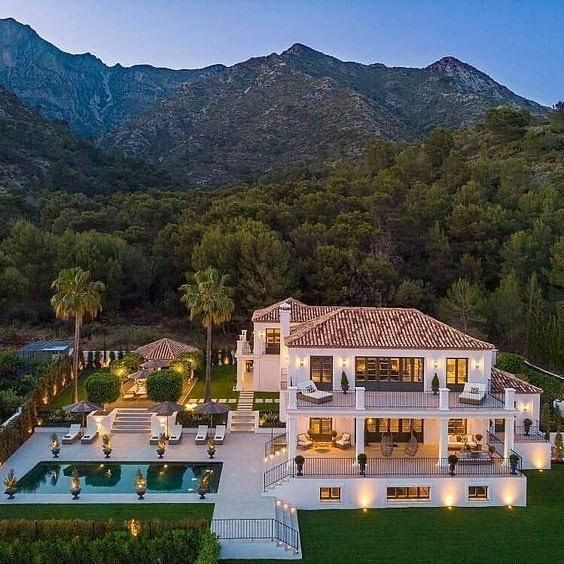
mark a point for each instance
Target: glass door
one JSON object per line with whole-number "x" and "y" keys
{"x": 320, "y": 428}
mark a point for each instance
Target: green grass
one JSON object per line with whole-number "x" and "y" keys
{"x": 65, "y": 397}
{"x": 117, "y": 512}
{"x": 266, "y": 406}
{"x": 529, "y": 534}
{"x": 222, "y": 380}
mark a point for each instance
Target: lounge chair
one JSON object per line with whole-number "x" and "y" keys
{"x": 412, "y": 445}
{"x": 73, "y": 434}
{"x": 91, "y": 432}
{"x": 310, "y": 393}
{"x": 304, "y": 441}
{"x": 156, "y": 430}
{"x": 129, "y": 395}
{"x": 202, "y": 435}
{"x": 344, "y": 441}
{"x": 219, "y": 436}
{"x": 175, "y": 435}
{"x": 473, "y": 393}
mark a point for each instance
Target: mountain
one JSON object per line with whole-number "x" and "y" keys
{"x": 36, "y": 154}
{"x": 227, "y": 124}
{"x": 81, "y": 89}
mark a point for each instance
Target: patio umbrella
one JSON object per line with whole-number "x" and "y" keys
{"x": 164, "y": 349}
{"x": 211, "y": 408}
{"x": 84, "y": 407}
{"x": 139, "y": 375}
{"x": 155, "y": 363}
{"x": 166, "y": 408}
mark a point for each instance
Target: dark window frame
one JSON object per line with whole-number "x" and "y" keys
{"x": 325, "y": 370}
{"x": 408, "y": 493}
{"x": 272, "y": 334}
{"x": 478, "y": 492}
{"x": 457, "y": 379}
{"x": 411, "y": 366}
{"x": 333, "y": 493}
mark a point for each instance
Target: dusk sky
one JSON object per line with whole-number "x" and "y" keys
{"x": 519, "y": 43}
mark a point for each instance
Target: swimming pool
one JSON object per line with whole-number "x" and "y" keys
{"x": 119, "y": 477}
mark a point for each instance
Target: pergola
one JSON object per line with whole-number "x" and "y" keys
{"x": 164, "y": 349}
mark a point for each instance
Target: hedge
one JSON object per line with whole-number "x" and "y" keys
{"x": 53, "y": 379}
{"x": 164, "y": 385}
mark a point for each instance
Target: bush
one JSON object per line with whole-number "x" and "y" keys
{"x": 510, "y": 362}
{"x": 164, "y": 385}
{"x": 102, "y": 387}
{"x": 128, "y": 364}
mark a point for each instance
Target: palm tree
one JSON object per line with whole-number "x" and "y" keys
{"x": 76, "y": 296}
{"x": 208, "y": 297}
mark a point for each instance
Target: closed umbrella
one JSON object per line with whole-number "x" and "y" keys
{"x": 166, "y": 408}
{"x": 83, "y": 407}
{"x": 211, "y": 408}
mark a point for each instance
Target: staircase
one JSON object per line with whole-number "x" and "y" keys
{"x": 246, "y": 400}
{"x": 243, "y": 419}
{"x": 288, "y": 516}
{"x": 131, "y": 420}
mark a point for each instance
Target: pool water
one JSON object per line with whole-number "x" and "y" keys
{"x": 119, "y": 477}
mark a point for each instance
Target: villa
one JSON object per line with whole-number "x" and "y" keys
{"x": 403, "y": 389}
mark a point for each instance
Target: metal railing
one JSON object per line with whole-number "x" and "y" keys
{"x": 256, "y": 530}
{"x": 496, "y": 442}
{"x": 398, "y": 400}
{"x": 337, "y": 467}
{"x": 275, "y": 445}
{"x": 276, "y": 474}
{"x": 532, "y": 433}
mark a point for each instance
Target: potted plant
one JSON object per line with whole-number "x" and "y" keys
{"x": 55, "y": 445}
{"x": 106, "y": 446}
{"x": 140, "y": 484}
{"x": 211, "y": 448}
{"x": 452, "y": 460}
{"x": 11, "y": 484}
{"x": 435, "y": 384}
{"x": 513, "y": 461}
{"x": 344, "y": 383}
{"x": 491, "y": 450}
{"x": 299, "y": 460}
{"x": 362, "y": 458}
{"x": 527, "y": 424}
{"x": 479, "y": 441}
{"x": 333, "y": 436}
{"x": 203, "y": 485}
{"x": 75, "y": 488}
{"x": 161, "y": 445}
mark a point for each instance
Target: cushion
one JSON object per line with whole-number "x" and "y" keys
{"x": 458, "y": 439}
{"x": 310, "y": 389}
{"x": 346, "y": 437}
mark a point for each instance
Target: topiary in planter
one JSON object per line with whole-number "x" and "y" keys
{"x": 452, "y": 461}
{"x": 435, "y": 383}
{"x": 362, "y": 459}
{"x": 527, "y": 424}
{"x": 299, "y": 460}
{"x": 344, "y": 382}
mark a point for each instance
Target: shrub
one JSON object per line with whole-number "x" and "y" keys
{"x": 128, "y": 364}
{"x": 511, "y": 362}
{"x": 102, "y": 387}
{"x": 164, "y": 385}
{"x": 209, "y": 549}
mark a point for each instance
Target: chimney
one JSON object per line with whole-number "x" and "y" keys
{"x": 285, "y": 311}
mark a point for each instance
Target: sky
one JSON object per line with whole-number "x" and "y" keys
{"x": 519, "y": 43}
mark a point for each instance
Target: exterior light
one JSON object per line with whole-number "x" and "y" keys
{"x": 301, "y": 362}
{"x": 436, "y": 364}
{"x": 364, "y": 509}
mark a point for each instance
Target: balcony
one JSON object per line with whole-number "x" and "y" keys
{"x": 360, "y": 400}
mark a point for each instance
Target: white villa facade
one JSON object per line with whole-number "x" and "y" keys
{"x": 392, "y": 412}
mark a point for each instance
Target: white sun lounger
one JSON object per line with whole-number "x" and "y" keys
{"x": 91, "y": 432}
{"x": 73, "y": 434}
{"x": 473, "y": 393}
{"x": 310, "y": 393}
{"x": 175, "y": 435}
{"x": 202, "y": 435}
{"x": 219, "y": 436}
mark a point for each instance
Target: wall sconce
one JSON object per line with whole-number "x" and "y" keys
{"x": 344, "y": 362}
{"x": 435, "y": 363}
{"x": 477, "y": 365}
{"x": 302, "y": 362}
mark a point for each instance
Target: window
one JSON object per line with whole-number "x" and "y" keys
{"x": 320, "y": 428}
{"x": 477, "y": 492}
{"x": 457, "y": 426}
{"x": 321, "y": 369}
{"x": 408, "y": 493}
{"x": 371, "y": 368}
{"x": 272, "y": 341}
{"x": 249, "y": 365}
{"x": 457, "y": 370}
{"x": 330, "y": 494}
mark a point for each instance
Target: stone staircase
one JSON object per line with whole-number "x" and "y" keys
{"x": 243, "y": 418}
{"x": 131, "y": 420}
{"x": 287, "y": 515}
{"x": 246, "y": 400}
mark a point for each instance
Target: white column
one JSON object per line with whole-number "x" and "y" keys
{"x": 359, "y": 423}
{"x": 443, "y": 399}
{"x": 509, "y": 436}
{"x": 291, "y": 437}
{"x": 509, "y": 399}
{"x": 443, "y": 440}
{"x": 359, "y": 397}
{"x": 292, "y": 397}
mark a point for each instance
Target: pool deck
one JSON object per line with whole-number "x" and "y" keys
{"x": 240, "y": 487}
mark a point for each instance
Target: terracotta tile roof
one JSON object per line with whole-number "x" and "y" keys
{"x": 387, "y": 328}
{"x": 300, "y": 312}
{"x": 501, "y": 380}
{"x": 163, "y": 349}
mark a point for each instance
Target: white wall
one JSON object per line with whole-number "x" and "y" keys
{"x": 528, "y": 407}
{"x": 535, "y": 454}
{"x": 479, "y": 363}
{"x": 303, "y": 493}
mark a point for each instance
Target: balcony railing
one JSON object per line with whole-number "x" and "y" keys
{"x": 399, "y": 400}
{"x": 275, "y": 445}
{"x": 532, "y": 433}
{"x": 375, "y": 467}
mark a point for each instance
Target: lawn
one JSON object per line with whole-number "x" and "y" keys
{"x": 266, "y": 406}
{"x": 65, "y": 397}
{"x": 530, "y": 534}
{"x": 117, "y": 512}
{"x": 222, "y": 380}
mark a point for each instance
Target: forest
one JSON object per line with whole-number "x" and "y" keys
{"x": 465, "y": 225}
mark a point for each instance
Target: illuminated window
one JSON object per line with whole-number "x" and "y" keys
{"x": 408, "y": 493}
{"x": 457, "y": 370}
{"x": 330, "y": 494}
{"x": 477, "y": 492}
{"x": 273, "y": 341}
{"x": 321, "y": 369}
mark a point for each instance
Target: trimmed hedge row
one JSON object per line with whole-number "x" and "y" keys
{"x": 171, "y": 547}
{"x": 53, "y": 379}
